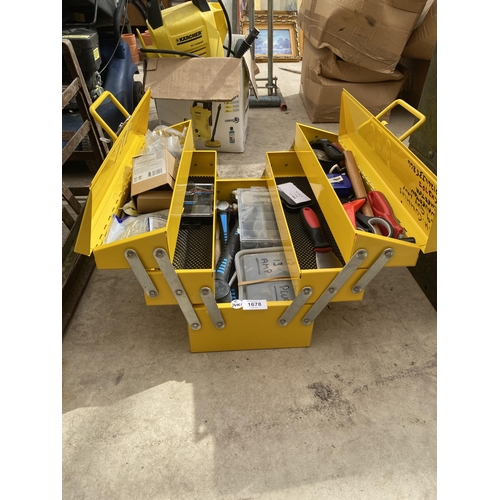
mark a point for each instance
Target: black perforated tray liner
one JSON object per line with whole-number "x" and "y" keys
{"x": 304, "y": 248}
{"x": 194, "y": 242}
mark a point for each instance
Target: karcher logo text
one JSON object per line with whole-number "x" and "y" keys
{"x": 188, "y": 38}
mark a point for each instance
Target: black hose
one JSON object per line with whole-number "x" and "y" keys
{"x": 118, "y": 28}
{"x": 139, "y": 5}
{"x": 120, "y": 10}
{"x": 167, "y": 51}
{"x": 229, "y": 33}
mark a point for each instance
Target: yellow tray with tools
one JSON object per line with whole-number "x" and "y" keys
{"x": 181, "y": 263}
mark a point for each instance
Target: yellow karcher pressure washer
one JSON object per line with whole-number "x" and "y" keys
{"x": 196, "y": 28}
{"x": 192, "y": 29}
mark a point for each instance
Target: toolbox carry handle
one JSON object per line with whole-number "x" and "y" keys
{"x": 411, "y": 109}
{"x": 98, "y": 118}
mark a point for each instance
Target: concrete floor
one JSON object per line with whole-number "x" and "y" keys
{"x": 351, "y": 417}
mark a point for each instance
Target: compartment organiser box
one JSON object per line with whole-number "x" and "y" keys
{"x": 175, "y": 265}
{"x": 213, "y": 92}
{"x": 258, "y": 227}
{"x": 198, "y": 201}
{"x": 263, "y": 274}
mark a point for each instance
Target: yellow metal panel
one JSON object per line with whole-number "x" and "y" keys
{"x": 192, "y": 281}
{"x": 110, "y": 190}
{"x": 387, "y": 165}
{"x": 250, "y": 329}
{"x": 286, "y": 239}
{"x": 110, "y": 186}
{"x": 348, "y": 239}
{"x": 335, "y": 215}
{"x": 177, "y": 203}
{"x": 192, "y": 163}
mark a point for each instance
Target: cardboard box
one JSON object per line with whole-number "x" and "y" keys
{"x": 151, "y": 171}
{"x": 325, "y": 63}
{"x": 321, "y": 96}
{"x": 213, "y": 92}
{"x": 371, "y": 34}
{"x": 154, "y": 200}
{"x": 422, "y": 42}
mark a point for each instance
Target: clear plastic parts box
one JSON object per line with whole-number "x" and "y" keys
{"x": 258, "y": 227}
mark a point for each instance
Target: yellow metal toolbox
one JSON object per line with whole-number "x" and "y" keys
{"x": 176, "y": 265}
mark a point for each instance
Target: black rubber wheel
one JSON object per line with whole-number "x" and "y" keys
{"x": 92, "y": 165}
{"x": 138, "y": 92}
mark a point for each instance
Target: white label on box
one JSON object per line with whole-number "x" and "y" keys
{"x": 254, "y": 304}
{"x": 148, "y": 166}
{"x": 293, "y": 192}
{"x": 336, "y": 179}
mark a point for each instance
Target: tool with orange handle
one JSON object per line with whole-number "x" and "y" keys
{"x": 358, "y": 185}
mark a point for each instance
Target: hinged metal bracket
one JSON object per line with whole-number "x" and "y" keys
{"x": 140, "y": 273}
{"x": 212, "y": 308}
{"x": 333, "y": 288}
{"x": 295, "y": 306}
{"x": 175, "y": 285}
{"x": 373, "y": 270}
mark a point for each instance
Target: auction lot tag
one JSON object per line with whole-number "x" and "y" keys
{"x": 254, "y": 304}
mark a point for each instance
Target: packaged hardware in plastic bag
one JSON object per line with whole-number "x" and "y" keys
{"x": 121, "y": 228}
{"x": 163, "y": 137}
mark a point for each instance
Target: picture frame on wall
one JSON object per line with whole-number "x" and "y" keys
{"x": 286, "y": 45}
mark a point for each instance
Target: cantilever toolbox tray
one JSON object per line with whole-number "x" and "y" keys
{"x": 176, "y": 265}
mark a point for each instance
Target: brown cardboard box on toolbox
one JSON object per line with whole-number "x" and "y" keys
{"x": 423, "y": 40}
{"x": 368, "y": 34}
{"x": 321, "y": 95}
{"x": 153, "y": 180}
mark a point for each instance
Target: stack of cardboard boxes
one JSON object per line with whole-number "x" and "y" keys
{"x": 361, "y": 46}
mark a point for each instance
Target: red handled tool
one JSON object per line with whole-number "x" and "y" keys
{"x": 364, "y": 222}
{"x": 325, "y": 258}
{"x": 382, "y": 208}
{"x": 351, "y": 207}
